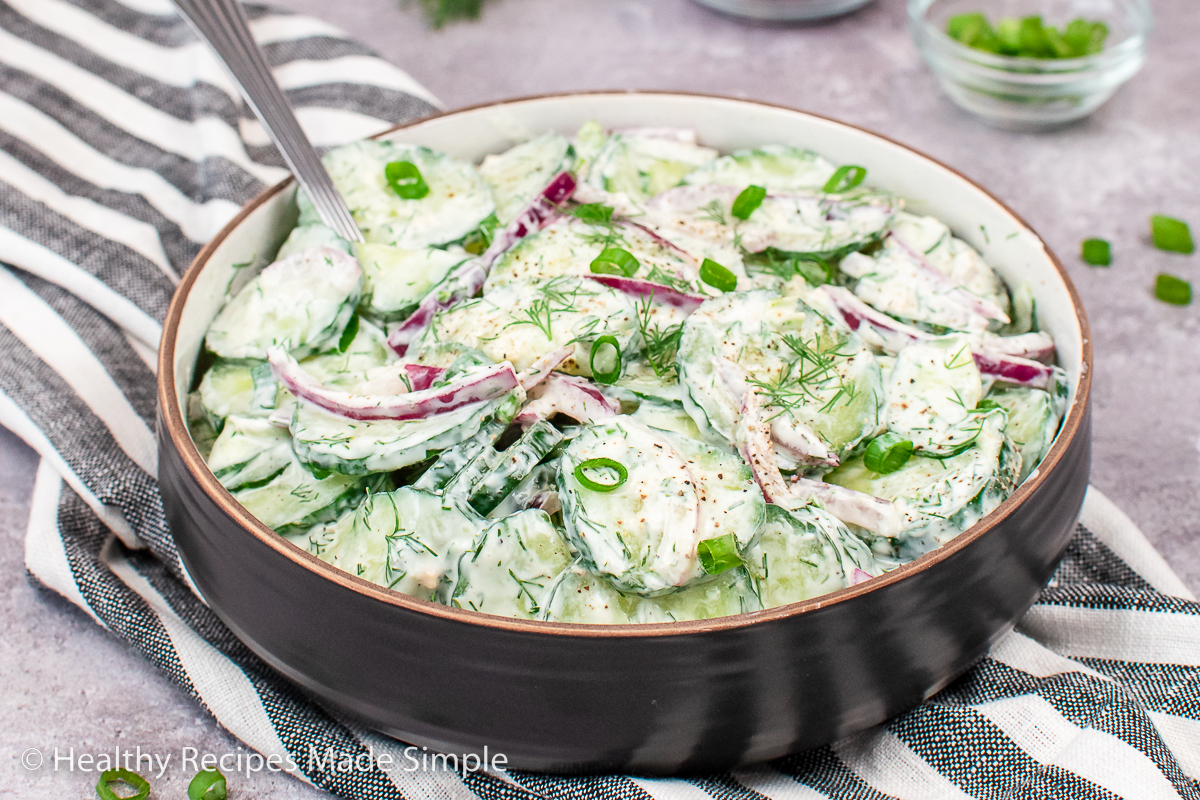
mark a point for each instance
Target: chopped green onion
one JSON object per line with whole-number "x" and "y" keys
{"x": 1171, "y": 234}
{"x": 130, "y": 779}
{"x": 594, "y": 212}
{"x": 348, "y": 334}
{"x": 601, "y": 463}
{"x": 747, "y": 201}
{"x": 718, "y": 554}
{"x": 1175, "y": 291}
{"x": 844, "y": 179}
{"x": 717, "y": 276}
{"x": 607, "y": 376}
{"x": 208, "y": 784}
{"x": 887, "y": 453}
{"x": 405, "y": 180}
{"x": 615, "y": 261}
{"x": 987, "y": 405}
{"x": 814, "y": 269}
{"x": 1028, "y": 37}
{"x": 1097, "y": 252}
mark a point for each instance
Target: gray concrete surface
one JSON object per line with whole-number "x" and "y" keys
{"x": 68, "y": 683}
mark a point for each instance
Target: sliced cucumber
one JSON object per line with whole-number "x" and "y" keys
{"x": 775, "y": 167}
{"x": 397, "y": 279}
{"x": 526, "y": 319}
{"x": 403, "y": 540}
{"x": 308, "y": 237}
{"x": 667, "y": 417}
{"x": 944, "y": 496}
{"x": 804, "y": 553}
{"x": 807, "y": 373}
{"x": 569, "y": 246}
{"x": 538, "y": 489}
{"x": 641, "y": 167}
{"x": 249, "y": 451}
{"x": 518, "y": 175}
{"x": 459, "y": 199}
{"x": 511, "y": 566}
{"x": 643, "y": 534}
{"x": 932, "y": 392}
{"x": 301, "y": 303}
{"x": 453, "y": 460}
{"x": 812, "y": 224}
{"x": 346, "y": 366}
{"x": 357, "y": 447}
{"x": 488, "y": 478}
{"x": 237, "y": 387}
{"x": 295, "y": 498}
{"x": 1033, "y": 419}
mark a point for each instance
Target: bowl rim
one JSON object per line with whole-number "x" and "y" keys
{"x": 174, "y": 425}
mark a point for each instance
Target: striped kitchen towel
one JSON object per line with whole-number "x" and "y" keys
{"x": 123, "y": 148}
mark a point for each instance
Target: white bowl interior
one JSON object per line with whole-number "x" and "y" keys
{"x": 723, "y": 123}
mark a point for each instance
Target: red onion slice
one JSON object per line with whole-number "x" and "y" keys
{"x": 484, "y": 384}
{"x": 661, "y": 293}
{"x": 973, "y": 303}
{"x": 574, "y": 397}
{"x": 1013, "y": 369}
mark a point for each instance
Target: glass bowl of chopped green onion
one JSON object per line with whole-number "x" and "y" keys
{"x": 1031, "y": 64}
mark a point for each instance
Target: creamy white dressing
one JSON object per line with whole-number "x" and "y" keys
{"x": 633, "y": 491}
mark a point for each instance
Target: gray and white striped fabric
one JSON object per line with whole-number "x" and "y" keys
{"x": 123, "y": 148}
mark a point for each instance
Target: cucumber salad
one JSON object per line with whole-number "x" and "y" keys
{"x": 621, "y": 377}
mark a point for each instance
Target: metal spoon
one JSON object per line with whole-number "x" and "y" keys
{"x": 223, "y": 25}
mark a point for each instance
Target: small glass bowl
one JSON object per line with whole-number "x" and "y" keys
{"x": 1032, "y": 93}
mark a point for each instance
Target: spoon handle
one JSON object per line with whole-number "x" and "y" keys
{"x": 223, "y": 25}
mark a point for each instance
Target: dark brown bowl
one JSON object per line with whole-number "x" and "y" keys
{"x": 664, "y": 698}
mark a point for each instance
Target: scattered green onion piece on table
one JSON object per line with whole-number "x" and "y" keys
{"x": 717, "y": 276}
{"x": 131, "y": 779}
{"x": 615, "y": 261}
{"x": 718, "y": 554}
{"x": 208, "y": 784}
{"x": 607, "y": 376}
{"x": 1097, "y": 252}
{"x": 887, "y": 453}
{"x": 1171, "y": 234}
{"x": 601, "y": 463}
{"x": 593, "y": 212}
{"x": 844, "y": 179}
{"x": 747, "y": 201}
{"x": 406, "y": 180}
{"x": 1170, "y": 289}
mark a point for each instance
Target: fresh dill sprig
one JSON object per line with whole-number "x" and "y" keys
{"x": 714, "y": 212}
{"x": 802, "y": 381}
{"x": 659, "y": 345}
{"x": 555, "y": 299}
{"x": 659, "y": 275}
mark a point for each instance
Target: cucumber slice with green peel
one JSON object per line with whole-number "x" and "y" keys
{"x": 538, "y": 489}
{"x": 932, "y": 392}
{"x": 245, "y": 388}
{"x": 511, "y": 566}
{"x": 667, "y": 417}
{"x": 301, "y": 303}
{"x": 569, "y": 246}
{"x": 809, "y": 375}
{"x": 404, "y": 540}
{"x": 1033, "y": 420}
{"x": 453, "y": 460}
{"x": 943, "y": 496}
{"x": 484, "y": 482}
{"x": 641, "y": 167}
{"x": 358, "y": 447}
{"x": 249, "y": 451}
{"x": 952, "y": 256}
{"x": 459, "y": 199}
{"x": 581, "y": 596}
{"x": 395, "y": 279}
{"x": 812, "y": 224}
{"x": 526, "y": 319}
{"x": 308, "y": 237}
{"x": 777, "y": 168}
{"x": 518, "y": 175}
{"x": 296, "y": 498}
{"x": 804, "y": 553}
{"x": 643, "y": 533}
{"x": 345, "y": 367}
